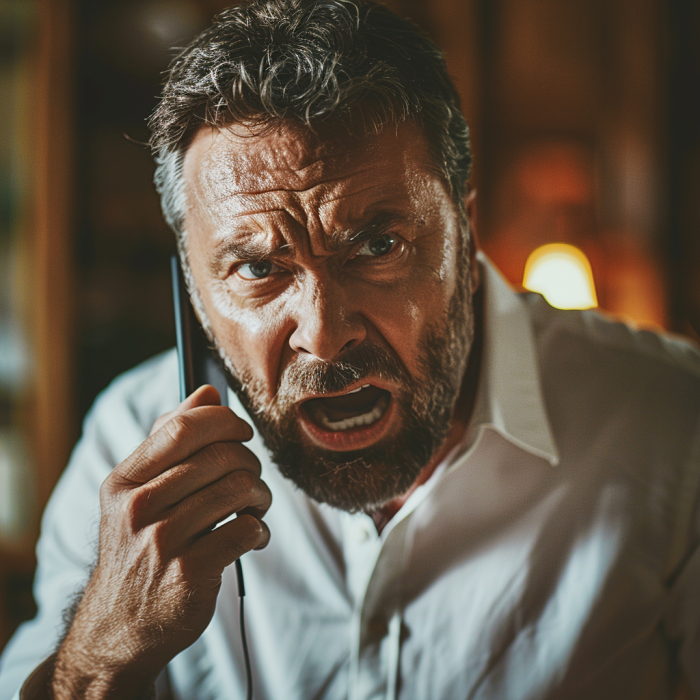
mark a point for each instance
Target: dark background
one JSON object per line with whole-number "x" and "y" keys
{"x": 586, "y": 127}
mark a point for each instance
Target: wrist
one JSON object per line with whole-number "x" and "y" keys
{"x": 75, "y": 675}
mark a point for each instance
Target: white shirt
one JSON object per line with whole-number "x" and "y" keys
{"x": 554, "y": 554}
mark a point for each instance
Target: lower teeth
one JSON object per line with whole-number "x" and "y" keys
{"x": 356, "y": 421}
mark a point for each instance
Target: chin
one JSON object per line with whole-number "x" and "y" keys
{"x": 383, "y": 461}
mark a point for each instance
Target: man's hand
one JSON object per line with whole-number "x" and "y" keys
{"x": 153, "y": 591}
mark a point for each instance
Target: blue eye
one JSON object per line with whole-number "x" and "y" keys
{"x": 255, "y": 270}
{"x": 376, "y": 247}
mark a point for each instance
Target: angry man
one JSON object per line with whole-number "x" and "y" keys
{"x": 444, "y": 489}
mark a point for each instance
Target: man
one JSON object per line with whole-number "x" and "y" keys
{"x": 473, "y": 495}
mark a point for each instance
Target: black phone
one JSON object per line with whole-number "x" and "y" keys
{"x": 197, "y": 359}
{"x": 199, "y": 364}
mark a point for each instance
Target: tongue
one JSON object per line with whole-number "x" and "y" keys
{"x": 340, "y": 407}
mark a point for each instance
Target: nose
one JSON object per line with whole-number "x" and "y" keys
{"x": 325, "y": 323}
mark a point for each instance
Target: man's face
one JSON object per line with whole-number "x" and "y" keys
{"x": 334, "y": 277}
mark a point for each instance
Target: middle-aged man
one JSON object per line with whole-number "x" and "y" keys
{"x": 473, "y": 495}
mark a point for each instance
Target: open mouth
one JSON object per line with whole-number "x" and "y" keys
{"x": 361, "y": 407}
{"x": 353, "y": 421}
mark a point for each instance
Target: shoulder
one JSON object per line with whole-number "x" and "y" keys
{"x": 602, "y": 336}
{"x": 609, "y": 383}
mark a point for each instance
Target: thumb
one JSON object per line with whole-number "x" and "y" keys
{"x": 206, "y": 395}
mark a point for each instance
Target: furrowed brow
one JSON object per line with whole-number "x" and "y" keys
{"x": 381, "y": 223}
{"x": 246, "y": 250}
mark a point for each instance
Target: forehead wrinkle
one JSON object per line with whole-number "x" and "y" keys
{"x": 293, "y": 152}
{"x": 344, "y": 195}
{"x": 274, "y": 206}
{"x": 222, "y": 196}
{"x": 331, "y": 211}
{"x": 269, "y": 224}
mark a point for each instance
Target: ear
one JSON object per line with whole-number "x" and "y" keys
{"x": 471, "y": 211}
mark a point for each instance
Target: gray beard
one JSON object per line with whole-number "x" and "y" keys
{"x": 367, "y": 479}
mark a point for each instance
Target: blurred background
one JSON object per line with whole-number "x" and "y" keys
{"x": 585, "y": 117}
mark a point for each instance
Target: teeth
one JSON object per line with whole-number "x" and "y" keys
{"x": 356, "y": 421}
{"x": 354, "y": 391}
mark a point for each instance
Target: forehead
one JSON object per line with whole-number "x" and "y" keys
{"x": 282, "y": 151}
{"x": 239, "y": 160}
{"x": 289, "y": 181}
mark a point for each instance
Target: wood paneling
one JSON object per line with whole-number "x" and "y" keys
{"x": 53, "y": 245}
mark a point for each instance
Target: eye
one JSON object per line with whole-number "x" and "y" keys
{"x": 376, "y": 247}
{"x": 256, "y": 270}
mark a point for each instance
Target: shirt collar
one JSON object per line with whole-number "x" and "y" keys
{"x": 509, "y": 398}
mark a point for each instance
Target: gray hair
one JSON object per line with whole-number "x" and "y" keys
{"x": 266, "y": 61}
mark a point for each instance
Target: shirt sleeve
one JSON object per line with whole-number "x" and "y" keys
{"x": 682, "y": 620}
{"x": 67, "y": 547}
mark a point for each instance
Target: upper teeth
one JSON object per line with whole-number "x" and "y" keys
{"x": 360, "y": 388}
{"x": 368, "y": 418}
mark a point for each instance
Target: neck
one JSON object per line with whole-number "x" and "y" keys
{"x": 464, "y": 407}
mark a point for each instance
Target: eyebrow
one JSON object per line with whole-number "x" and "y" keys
{"x": 247, "y": 250}
{"x": 252, "y": 249}
{"x": 376, "y": 225}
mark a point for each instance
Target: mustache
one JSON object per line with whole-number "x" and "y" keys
{"x": 319, "y": 376}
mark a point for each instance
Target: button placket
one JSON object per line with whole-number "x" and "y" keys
{"x": 363, "y": 548}
{"x": 376, "y": 565}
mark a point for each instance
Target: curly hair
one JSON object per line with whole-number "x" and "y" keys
{"x": 266, "y": 61}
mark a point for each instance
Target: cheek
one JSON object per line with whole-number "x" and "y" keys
{"x": 403, "y": 314}
{"x": 253, "y": 337}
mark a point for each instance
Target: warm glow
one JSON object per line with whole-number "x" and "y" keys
{"x": 562, "y": 274}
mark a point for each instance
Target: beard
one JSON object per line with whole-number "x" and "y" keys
{"x": 369, "y": 478}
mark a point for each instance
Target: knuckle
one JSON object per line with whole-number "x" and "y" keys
{"x": 160, "y": 535}
{"x": 220, "y": 453}
{"x": 135, "y": 507}
{"x": 110, "y": 495}
{"x": 224, "y": 498}
{"x": 106, "y": 490}
{"x": 180, "y": 428}
{"x": 247, "y": 459}
{"x": 239, "y": 427}
{"x": 231, "y": 496}
{"x": 161, "y": 421}
{"x": 240, "y": 483}
{"x": 252, "y": 460}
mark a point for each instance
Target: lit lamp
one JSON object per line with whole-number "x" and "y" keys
{"x": 562, "y": 274}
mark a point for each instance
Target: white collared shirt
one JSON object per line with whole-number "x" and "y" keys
{"x": 553, "y": 554}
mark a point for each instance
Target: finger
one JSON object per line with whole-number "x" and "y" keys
{"x": 221, "y": 547}
{"x": 206, "y": 395}
{"x": 203, "y": 468}
{"x": 232, "y": 493}
{"x": 179, "y": 439}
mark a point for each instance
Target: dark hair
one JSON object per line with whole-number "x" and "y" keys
{"x": 265, "y": 61}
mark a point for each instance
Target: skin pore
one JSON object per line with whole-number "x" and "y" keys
{"x": 327, "y": 264}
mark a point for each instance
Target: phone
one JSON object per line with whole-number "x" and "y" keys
{"x": 199, "y": 364}
{"x": 198, "y": 361}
